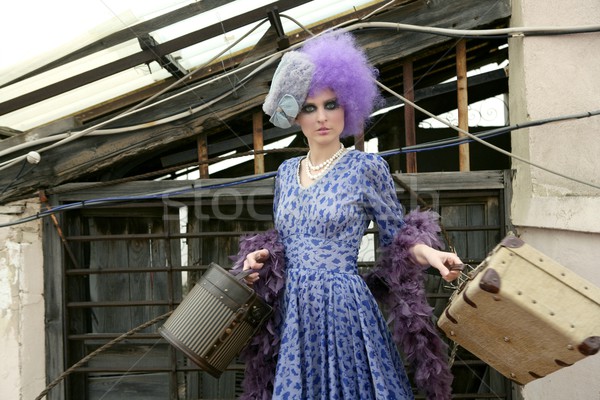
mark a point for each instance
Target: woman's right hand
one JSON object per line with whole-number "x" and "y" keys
{"x": 255, "y": 260}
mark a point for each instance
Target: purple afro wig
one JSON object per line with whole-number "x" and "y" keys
{"x": 342, "y": 66}
{"x": 330, "y": 61}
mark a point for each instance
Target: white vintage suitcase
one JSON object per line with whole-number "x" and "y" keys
{"x": 524, "y": 314}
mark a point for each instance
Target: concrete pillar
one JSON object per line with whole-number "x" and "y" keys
{"x": 22, "y": 370}
{"x": 552, "y": 76}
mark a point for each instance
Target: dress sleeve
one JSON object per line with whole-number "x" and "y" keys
{"x": 398, "y": 281}
{"x": 276, "y": 193}
{"x": 380, "y": 200}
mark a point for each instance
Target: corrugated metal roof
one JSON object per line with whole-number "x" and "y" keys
{"x": 54, "y": 30}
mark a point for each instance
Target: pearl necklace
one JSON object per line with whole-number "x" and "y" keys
{"x": 325, "y": 163}
{"x": 324, "y": 166}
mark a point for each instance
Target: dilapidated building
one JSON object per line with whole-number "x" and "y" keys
{"x": 132, "y": 159}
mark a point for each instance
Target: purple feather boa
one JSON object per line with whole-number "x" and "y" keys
{"x": 409, "y": 313}
{"x": 260, "y": 355}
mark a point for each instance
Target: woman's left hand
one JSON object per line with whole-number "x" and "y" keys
{"x": 440, "y": 260}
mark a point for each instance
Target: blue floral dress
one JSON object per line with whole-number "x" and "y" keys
{"x": 335, "y": 343}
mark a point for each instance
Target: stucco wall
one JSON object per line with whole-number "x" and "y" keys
{"x": 22, "y": 354}
{"x": 553, "y": 76}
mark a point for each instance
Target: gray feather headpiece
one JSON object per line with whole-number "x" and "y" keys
{"x": 289, "y": 88}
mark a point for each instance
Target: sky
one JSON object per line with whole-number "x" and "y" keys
{"x": 38, "y": 27}
{"x": 27, "y": 34}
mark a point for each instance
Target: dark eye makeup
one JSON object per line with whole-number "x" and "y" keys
{"x": 308, "y": 108}
{"x": 329, "y": 105}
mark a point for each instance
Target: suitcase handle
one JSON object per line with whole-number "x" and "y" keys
{"x": 465, "y": 276}
{"x": 458, "y": 267}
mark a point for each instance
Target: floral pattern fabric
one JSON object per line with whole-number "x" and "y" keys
{"x": 335, "y": 343}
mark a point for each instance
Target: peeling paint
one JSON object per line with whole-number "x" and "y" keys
{"x": 21, "y": 303}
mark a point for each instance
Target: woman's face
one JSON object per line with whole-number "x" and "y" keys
{"x": 321, "y": 118}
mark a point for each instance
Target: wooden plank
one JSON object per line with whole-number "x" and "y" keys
{"x": 436, "y": 181}
{"x": 109, "y": 287}
{"x": 455, "y": 215}
{"x": 383, "y": 47}
{"x": 143, "y": 286}
{"x": 409, "y": 115}
{"x": 359, "y": 142}
{"x": 476, "y": 240}
{"x": 474, "y": 180}
{"x": 202, "y": 147}
{"x": 463, "y": 103}
{"x": 148, "y": 386}
{"x": 257, "y": 129}
{"x": 195, "y": 189}
{"x": 77, "y": 289}
{"x": 54, "y": 292}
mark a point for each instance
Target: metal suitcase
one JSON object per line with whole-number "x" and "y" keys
{"x": 216, "y": 319}
{"x": 524, "y": 314}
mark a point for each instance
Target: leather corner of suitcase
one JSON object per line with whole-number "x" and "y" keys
{"x": 589, "y": 346}
{"x": 512, "y": 242}
{"x": 490, "y": 281}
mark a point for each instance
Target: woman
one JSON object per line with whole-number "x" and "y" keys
{"x": 328, "y": 338}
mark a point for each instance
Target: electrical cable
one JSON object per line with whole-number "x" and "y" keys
{"x": 483, "y": 142}
{"x": 483, "y": 33}
{"x": 16, "y": 177}
{"x": 428, "y": 146}
{"x": 439, "y": 144}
